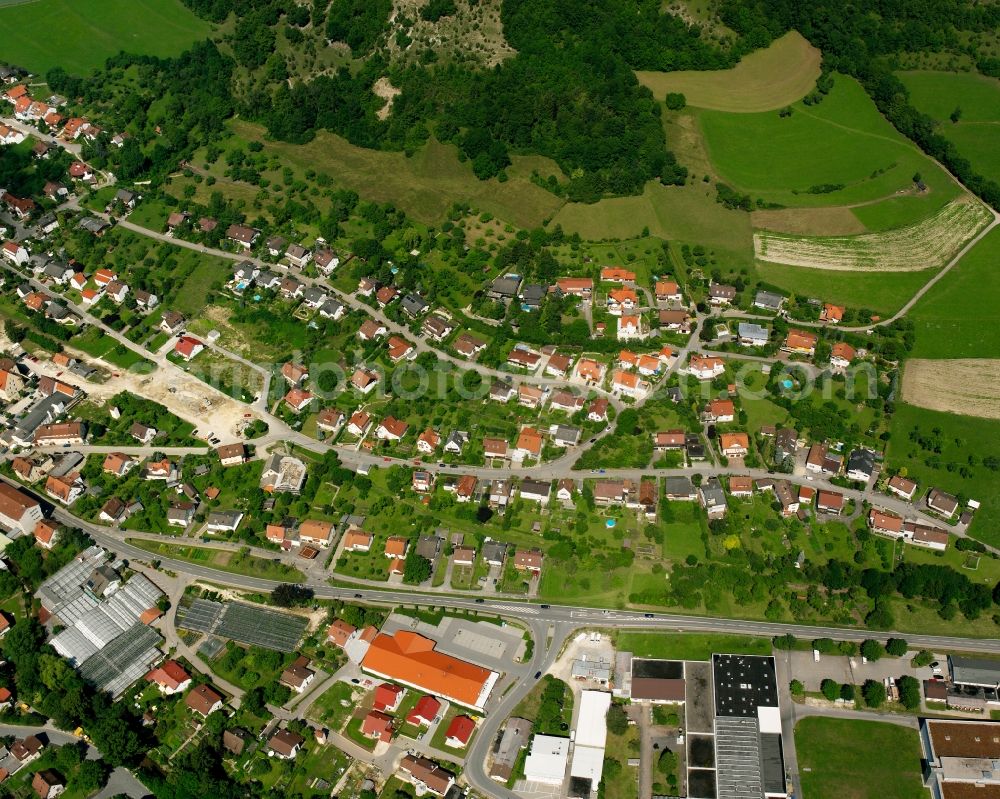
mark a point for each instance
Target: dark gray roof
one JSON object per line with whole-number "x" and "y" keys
{"x": 533, "y": 293}
{"x": 414, "y": 304}
{"x": 861, "y": 460}
{"x": 678, "y": 486}
{"x": 506, "y": 286}
{"x": 768, "y": 299}
{"x": 743, "y": 683}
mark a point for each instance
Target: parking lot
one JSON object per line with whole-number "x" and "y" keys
{"x": 850, "y": 670}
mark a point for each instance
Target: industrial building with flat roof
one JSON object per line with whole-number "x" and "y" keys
{"x": 657, "y": 681}
{"x": 546, "y": 761}
{"x": 961, "y": 758}
{"x": 105, "y": 632}
{"x": 748, "y": 753}
{"x": 589, "y": 740}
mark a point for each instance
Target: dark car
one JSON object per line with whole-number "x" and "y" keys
{"x": 480, "y": 601}
{"x": 648, "y": 615}
{"x": 357, "y": 596}
{"x": 538, "y": 674}
{"x": 545, "y": 607}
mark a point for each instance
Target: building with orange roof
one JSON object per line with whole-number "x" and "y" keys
{"x": 396, "y": 546}
{"x": 298, "y": 400}
{"x": 649, "y": 365}
{"x": 399, "y": 348}
{"x": 706, "y": 368}
{"x": 377, "y": 725}
{"x": 316, "y": 532}
{"x": 734, "y": 445}
{"x": 357, "y": 541}
{"x": 411, "y": 659}
{"x": 590, "y": 370}
{"x": 615, "y": 274}
{"x": 741, "y": 486}
{"x": 391, "y": 429}
{"x": 831, "y": 313}
{"x": 622, "y": 300}
{"x": 170, "y": 677}
{"x": 842, "y": 354}
{"x": 428, "y": 441}
{"x": 800, "y": 342}
{"x": 667, "y": 291}
{"x": 720, "y": 411}
{"x": 629, "y": 327}
{"x": 576, "y": 286}
{"x": 118, "y": 464}
{"x": 46, "y": 534}
{"x": 529, "y": 445}
{"x": 629, "y": 384}
{"x": 340, "y": 632}
{"x": 885, "y": 523}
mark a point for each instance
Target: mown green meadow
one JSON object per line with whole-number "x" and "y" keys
{"x": 878, "y": 760}
{"x": 960, "y": 316}
{"x": 842, "y": 141}
{"x": 79, "y": 35}
{"x": 976, "y": 99}
{"x": 882, "y": 292}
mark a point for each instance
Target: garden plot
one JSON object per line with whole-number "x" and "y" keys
{"x": 930, "y": 243}
{"x": 969, "y": 386}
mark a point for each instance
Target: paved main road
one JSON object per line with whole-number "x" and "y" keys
{"x": 532, "y": 613}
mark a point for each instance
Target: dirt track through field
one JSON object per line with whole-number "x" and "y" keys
{"x": 967, "y": 386}
{"x": 928, "y": 244}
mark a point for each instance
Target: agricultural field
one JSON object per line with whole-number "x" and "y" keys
{"x": 975, "y": 100}
{"x": 973, "y": 386}
{"x": 928, "y": 244}
{"x": 958, "y": 317}
{"x": 79, "y": 35}
{"x": 864, "y": 158}
{"x": 836, "y": 221}
{"x": 764, "y": 80}
{"x": 424, "y": 186}
{"x": 878, "y": 760}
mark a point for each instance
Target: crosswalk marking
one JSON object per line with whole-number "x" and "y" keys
{"x": 517, "y": 609}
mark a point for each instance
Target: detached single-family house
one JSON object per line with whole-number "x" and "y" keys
{"x": 734, "y": 445}
{"x": 800, "y": 342}
{"x": 391, "y": 429}
{"x": 902, "y": 487}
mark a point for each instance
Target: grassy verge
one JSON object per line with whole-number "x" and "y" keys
{"x": 690, "y": 646}
{"x": 223, "y": 560}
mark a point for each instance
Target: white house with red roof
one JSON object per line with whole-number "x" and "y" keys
{"x": 188, "y": 347}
